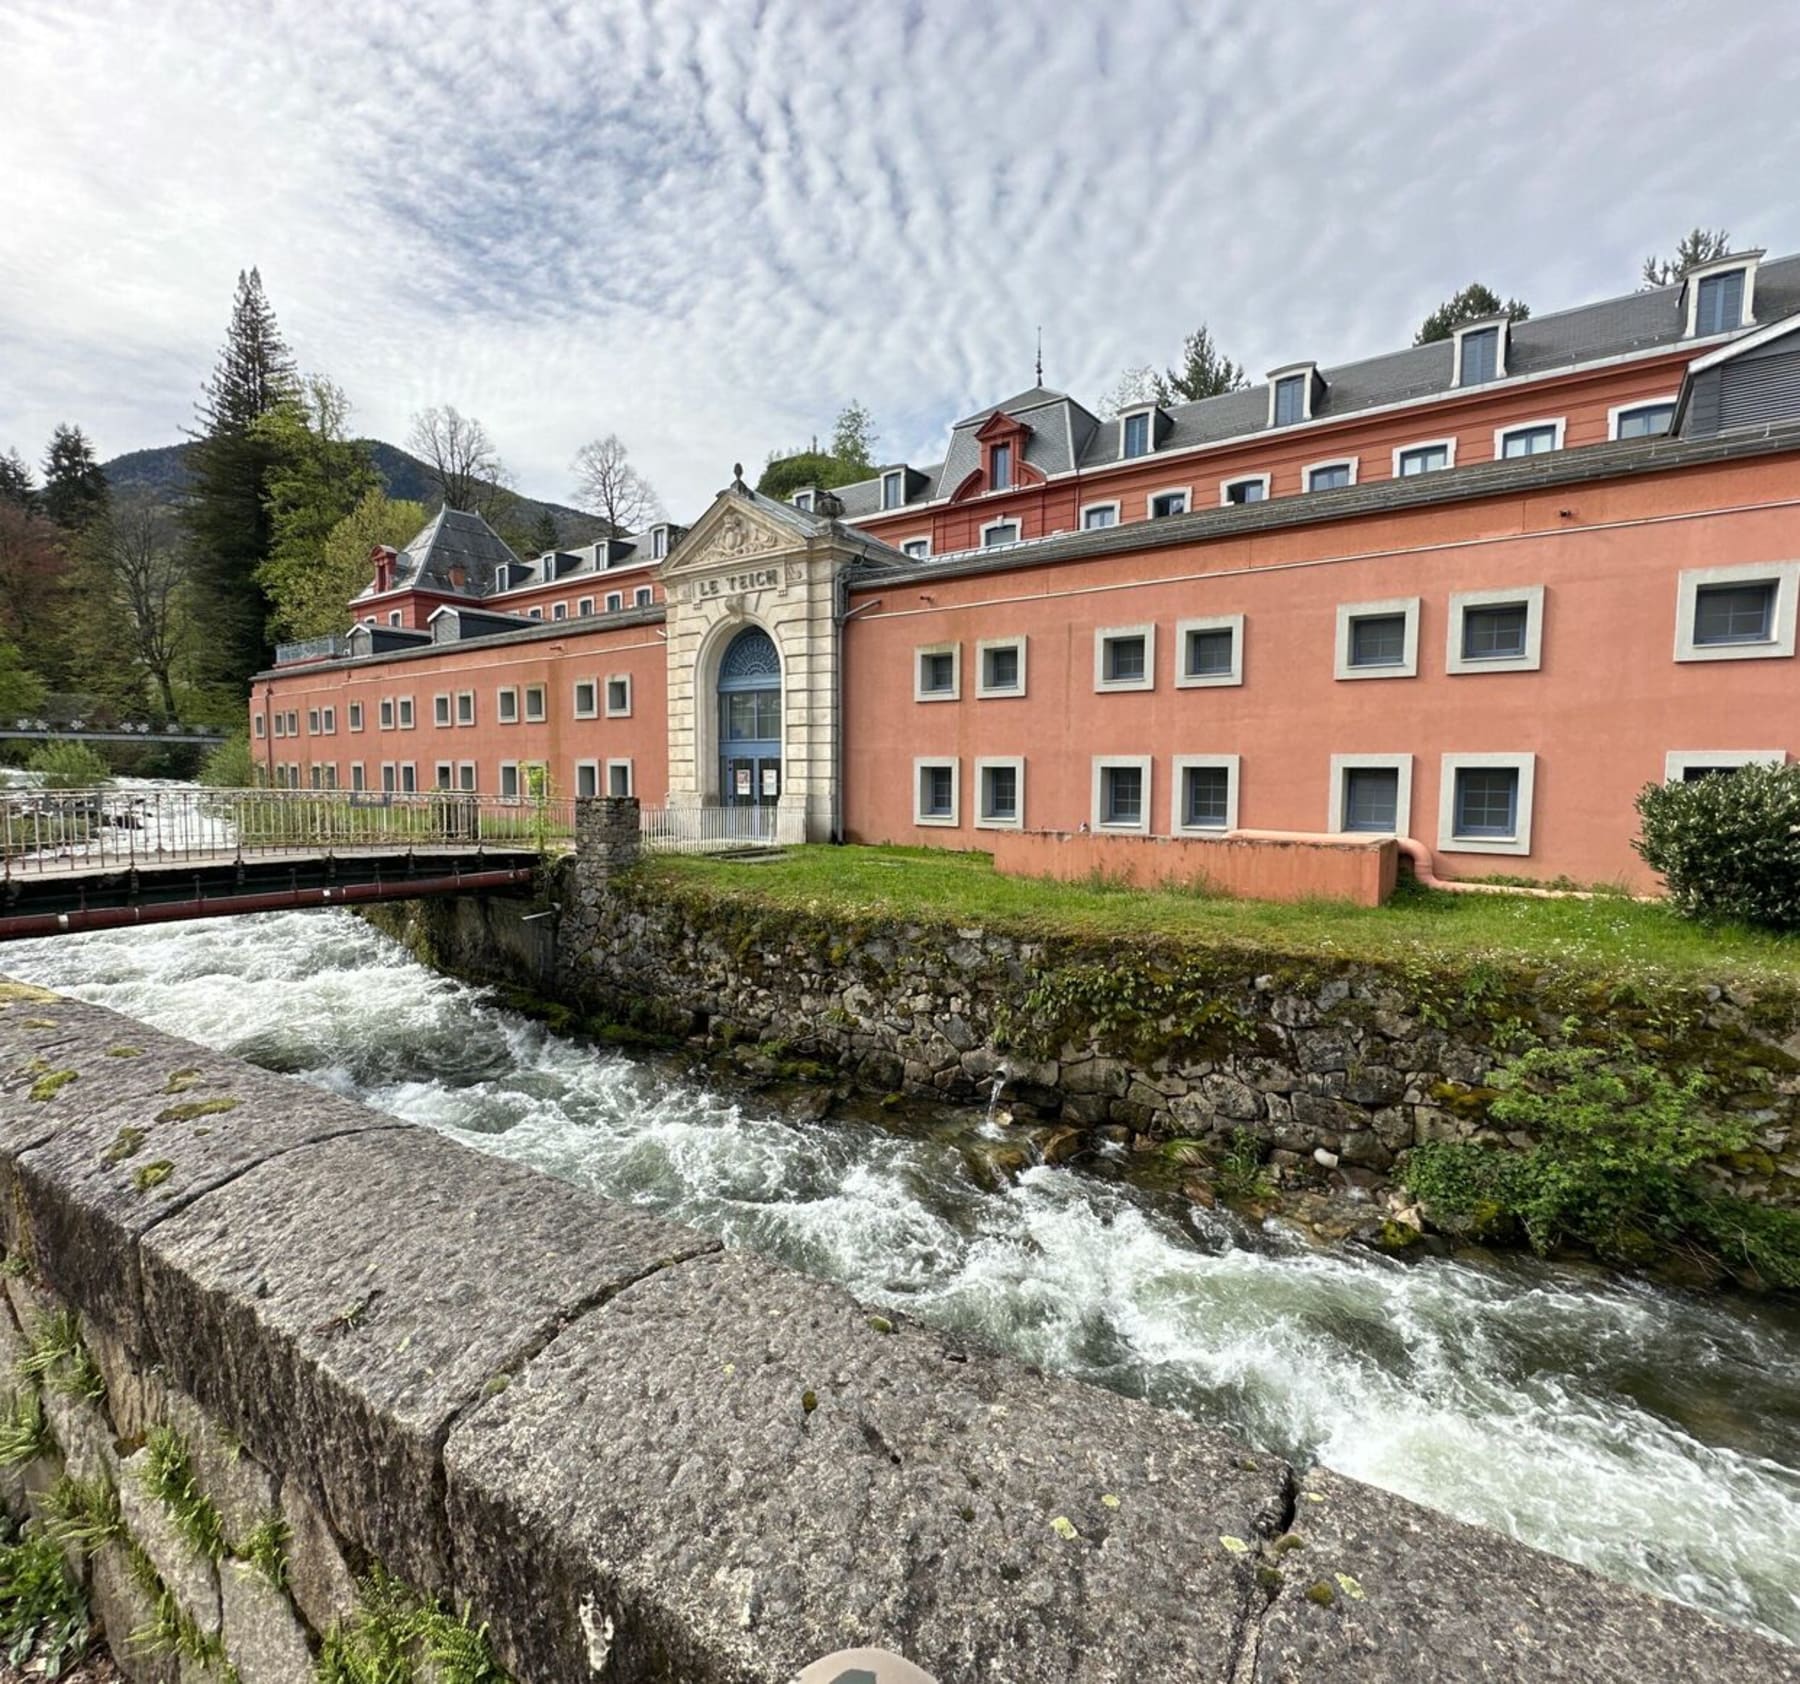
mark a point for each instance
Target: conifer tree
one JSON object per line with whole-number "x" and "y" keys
{"x": 16, "y": 483}
{"x": 75, "y": 489}
{"x": 230, "y": 464}
{"x": 1469, "y": 305}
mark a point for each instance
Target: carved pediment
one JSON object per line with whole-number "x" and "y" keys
{"x": 730, "y": 532}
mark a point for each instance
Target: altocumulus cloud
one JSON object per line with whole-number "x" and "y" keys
{"x": 704, "y": 224}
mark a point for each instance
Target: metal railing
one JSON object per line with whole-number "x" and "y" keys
{"x": 94, "y": 830}
{"x": 325, "y": 648}
{"x": 703, "y": 830}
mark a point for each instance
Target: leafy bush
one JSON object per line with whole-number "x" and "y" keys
{"x": 1728, "y": 845}
{"x": 1616, "y": 1164}
{"x": 67, "y": 765}
{"x": 231, "y": 765}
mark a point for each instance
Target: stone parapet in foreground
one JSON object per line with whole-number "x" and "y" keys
{"x": 638, "y": 1457}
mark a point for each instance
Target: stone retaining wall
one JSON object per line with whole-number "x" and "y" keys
{"x": 633, "y": 1456}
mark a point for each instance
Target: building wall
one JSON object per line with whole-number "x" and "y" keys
{"x": 1583, "y": 401}
{"x": 561, "y": 740}
{"x": 1607, "y": 704}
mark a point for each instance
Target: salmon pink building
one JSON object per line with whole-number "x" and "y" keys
{"x": 1475, "y": 594}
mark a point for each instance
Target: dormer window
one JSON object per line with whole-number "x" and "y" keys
{"x": 659, "y": 542}
{"x": 1720, "y": 305}
{"x": 1136, "y": 437}
{"x": 803, "y": 501}
{"x": 893, "y": 489}
{"x": 1481, "y": 353}
{"x": 1290, "y": 400}
{"x": 1000, "y": 465}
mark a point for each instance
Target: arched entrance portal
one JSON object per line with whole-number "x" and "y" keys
{"x": 750, "y": 721}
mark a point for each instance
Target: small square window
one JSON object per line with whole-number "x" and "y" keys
{"x": 1167, "y": 503}
{"x": 642, "y": 597}
{"x": 1484, "y": 803}
{"x": 618, "y": 697}
{"x": 893, "y": 490}
{"x": 536, "y": 614}
{"x": 803, "y": 501}
{"x": 938, "y": 675}
{"x": 1495, "y": 630}
{"x": 1734, "y": 613}
{"x": 1487, "y": 801}
{"x": 1000, "y": 794}
{"x": 587, "y": 699}
{"x": 356, "y": 719}
{"x": 1421, "y": 459}
{"x": 1001, "y": 532}
{"x": 1495, "y": 634}
{"x": 1001, "y": 670}
{"x": 585, "y": 606}
{"x": 506, "y": 706}
{"x": 917, "y": 548}
{"x": 1122, "y": 790}
{"x": 1124, "y": 658}
{"x": 1290, "y": 400}
{"x": 1691, "y": 765}
{"x": 465, "y": 707}
{"x": 1539, "y": 439}
{"x": 1209, "y": 653}
{"x": 1371, "y": 798}
{"x": 1205, "y": 797}
{"x": 1644, "y": 421}
{"x": 935, "y": 792}
{"x": 1137, "y": 434}
{"x": 1330, "y": 476}
{"x": 534, "y": 703}
{"x": 1096, "y": 516}
{"x": 440, "y": 710}
{"x": 1378, "y": 639}
{"x": 1720, "y": 308}
{"x": 615, "y": 601}
{"x": 618, "y": 778}
{"x": 560, "y": 611}
{"x": 1254, "y": 489}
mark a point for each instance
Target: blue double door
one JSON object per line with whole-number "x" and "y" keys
{"x": 750, "y": 721}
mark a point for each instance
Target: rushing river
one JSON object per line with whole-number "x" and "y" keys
{"x": 1652, "y": 1436}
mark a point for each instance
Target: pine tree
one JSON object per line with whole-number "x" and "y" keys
{"x": 1205, "y": 372}
{"x": 16, "y": 483}
{"x": 544, "y": 536}
{"x": 75, "y": 489}
{"x": 1698, "y": 245}
{"x": 230, "y": 465}
{"x": 1469, "y": 305}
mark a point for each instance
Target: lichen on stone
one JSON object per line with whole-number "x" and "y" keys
{"x": 126, "y": 1145}
{"x": 1320, "y": 1591}
{"x": 51, "y": 1083}
{"x": 197, "y": 1108}
{"x": 152, "y": 1175}
{"x": 181, "y": 1080}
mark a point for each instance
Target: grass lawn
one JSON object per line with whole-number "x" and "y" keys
{"x": 1608, "y": 934}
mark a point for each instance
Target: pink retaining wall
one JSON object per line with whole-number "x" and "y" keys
{"x": 1360, "y": 870}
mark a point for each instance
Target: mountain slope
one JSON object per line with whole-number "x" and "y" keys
{"x": 160, "y": 472}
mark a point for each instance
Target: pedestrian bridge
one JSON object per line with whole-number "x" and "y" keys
{"x": 74, "y": 860}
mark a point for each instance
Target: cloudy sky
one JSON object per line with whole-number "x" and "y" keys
{"x": 704, "y": 224}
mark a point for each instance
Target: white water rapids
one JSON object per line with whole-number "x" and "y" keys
{"x": 1653, "y": 1436}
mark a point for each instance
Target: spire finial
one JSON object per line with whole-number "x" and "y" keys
{"x": 737, "y": 477}
{"x": 1040, "y": 355}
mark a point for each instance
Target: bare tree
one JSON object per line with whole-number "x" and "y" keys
{"x": 607, "y": 485}
{"x": 463, "y": 461}
{"x": 139, "y": 553}
{"x": 1135, "y": 386}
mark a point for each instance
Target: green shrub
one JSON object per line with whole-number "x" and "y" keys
{"x": 1728, "y": 846}
{"x": 67, "y": 765}
{"x": 231, "y": 765}
{"x": 1615, "y": 1165}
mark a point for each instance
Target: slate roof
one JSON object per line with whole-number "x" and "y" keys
{"x": 1066, "y": 434}
{"x": 452, "y": 537}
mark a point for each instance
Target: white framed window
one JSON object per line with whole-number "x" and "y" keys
{"x": 587, "y": 698}
{"x": 1000, "y": 667}
{"x": 999, "y": 532}
{"x": 1176, "y": 500}
{"x": 1246, "y": 488}
{"x": 937, "y": 672}
{"x": 893, "y": 489}
{"x": 393, "y": 616}
{"x": 618, "y": 696}
{"x": 405, "y": 705}
{"x": 1484, "y": 803}
{"x": 509, "y": 780}
{"x": 356, "y": 716}
{"x": 1495, "y": 631}
{"x": 1095, "y": 516}
{"x": 261, "y": 727}
{"x": 312, "y": 722}
{"x": 584, "y": 606}
{"x": 536, "y": 705}
{"x": 615, "y": 601}
{"x": 621, "y": 780}
{"x": 409, "y": 778}
{"x": 1378, "y": 639}
{"x": 1647, "y": 418}
{"x": 1000, "y": 474}
{"x": 560, "y": 611}
{"x": 356, "y": 775}
{"x": 1334, "y": 475}
{"x": 445, "y": 775}
{"x": 803, "y": 501}
{"x": 642, "y": 597}
{"x": 659, "y": 542}
{"x": 1121, "y": 793}
{"x": 936, "y": 792}
{"x": 1000, "y": 793}
{"x": 1203, "y": 794}
{"x": 1480, "y": 353}
{"x": 506, "y": 706}
{"x": 465, "y": 707}
{"x": 1291, "y": 394}
{"x": 1137, "y": 432}
{"x": 1125, "y": 657}
{"x": 465, "y": 776}
{"x": 1689, "y": 765}
{"x": 535, "y": 613}
{"x": 293, "y": 722}
{"x": 387, "y": 713}
{"x": 281, "y": 724}
{"x": 917, "y": 548}
{"x": 440, "y": 709}
{"x": 1529, "y": 438}
{"x": 316, "y": 775}
{"x": 1739, "y": 613}
{"x": 1720, "y": 296}
{"x": 390, "y": 780}
{"x": 328, "y": 723}
{"x": 1429, "y": 456}
{"x": 1371, "y": 794}
{"x": 587, "y": 779}
{"x": 1209, "y": 651}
